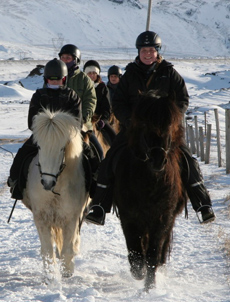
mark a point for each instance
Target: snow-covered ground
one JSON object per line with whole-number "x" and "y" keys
{"x": 199, "y": 267}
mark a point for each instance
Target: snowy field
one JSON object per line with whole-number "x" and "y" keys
{"x": 198, "y": 269}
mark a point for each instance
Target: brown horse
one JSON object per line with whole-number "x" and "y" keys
{"x": 148, "y": 190}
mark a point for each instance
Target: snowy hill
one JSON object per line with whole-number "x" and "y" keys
{"x": 37, "y": 29}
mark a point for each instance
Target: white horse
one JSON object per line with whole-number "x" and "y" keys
{"x": 55, "y": 190}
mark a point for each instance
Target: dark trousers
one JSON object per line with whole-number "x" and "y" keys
{"x": 94, "y": 141}
{"x": 27, "y": 148}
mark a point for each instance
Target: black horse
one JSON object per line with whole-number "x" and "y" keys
{"x": 148, "y": 190}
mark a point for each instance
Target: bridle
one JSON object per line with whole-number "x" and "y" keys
{"x": 149, "y": 151}
{"x": 61, "y": 168}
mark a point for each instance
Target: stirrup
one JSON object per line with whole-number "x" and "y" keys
{"x": 207, "y": 214}
{"x": 96, "y": 215}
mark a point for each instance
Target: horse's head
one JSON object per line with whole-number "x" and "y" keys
{"x": 155, "y": 129}
{"x": 52, "y": 131}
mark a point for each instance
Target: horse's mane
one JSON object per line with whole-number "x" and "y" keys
{"x": 54, "y": 127}
{"x": 156, "y": 113}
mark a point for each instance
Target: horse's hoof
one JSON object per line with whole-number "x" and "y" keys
{"x": 138, "y": 274}
{"x": 67, "y": 275}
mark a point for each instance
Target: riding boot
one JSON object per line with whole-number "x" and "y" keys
{"x": 194, "y": 184}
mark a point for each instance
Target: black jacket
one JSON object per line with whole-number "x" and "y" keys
{"x": 103, "y": 108}
{"x": 64, "y": 99}
{"x": 112, "y": 88}
{"x": 164, "y": 78}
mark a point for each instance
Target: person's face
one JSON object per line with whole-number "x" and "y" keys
{"x": 114, "y": 79}
{"x": 148, "y": 55}
{"x": 92, "y": 75}
{"x": 55, "y": 82}
{"x": 66, "y": 58}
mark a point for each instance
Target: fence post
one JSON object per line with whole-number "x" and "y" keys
{"x": 201, "y": 136}
{"x": 227, "y": 140}
{"x": 205, "y": 123}
{"x": 208, "y": 143}
{"x": 197, "y": 137}
{"x": 218, "y": 137}
{"x": 191, "y": 139}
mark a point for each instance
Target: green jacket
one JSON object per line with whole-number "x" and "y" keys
{"x": 84, "y": 87}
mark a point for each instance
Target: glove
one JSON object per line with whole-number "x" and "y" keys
{"x": 100, "y": 124}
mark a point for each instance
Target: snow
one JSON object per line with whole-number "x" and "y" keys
{"x": 196, "y": 39}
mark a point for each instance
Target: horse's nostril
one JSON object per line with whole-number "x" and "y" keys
{"x": 54, "y": 183}
{"x": 42, "y": 182}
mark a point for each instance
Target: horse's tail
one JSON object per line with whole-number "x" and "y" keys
{"x": 58, "y": 238}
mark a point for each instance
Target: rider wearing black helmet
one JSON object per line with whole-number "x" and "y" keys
{"x": 79, "y": 81}
{"x": 73, "y": 50}
{"x": 55, "y": 95}
{"x": 114, "y": 75}
{"x": 149, "y": 71}
{"x": 84, "y": 87}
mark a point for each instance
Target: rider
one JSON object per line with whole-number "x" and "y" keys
{"x": 80, "y": 82}
{"x": 114, "y": 75}
{"x": 149, "y": 71}
{"x": 103, "y": 108}
{"x": 55, "y": 95}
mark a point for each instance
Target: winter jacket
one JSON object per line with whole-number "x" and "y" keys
{"x": 161, "y": 76}
{"x": 84, "y": 88}
{"x": 64, "y": 99}
{"x": 103, "y": 108}
{"x": 112, "y": 88}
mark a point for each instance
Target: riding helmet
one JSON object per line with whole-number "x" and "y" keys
{"x": 72, "y": 50}
{"x": 148, "y": 39}
{"x": 114, "y": 70}
{"x": 55, "y": 70}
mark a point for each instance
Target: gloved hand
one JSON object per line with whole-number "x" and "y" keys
{"x": 100, "y": 124}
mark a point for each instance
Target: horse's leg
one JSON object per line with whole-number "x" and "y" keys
{"x": 165, "y": 249}
{"x": 152, "y": 261}
{"x": 156, "y": 255}
{"x": 133, "y": 236}
{"x": 46, "y": 239}
{"x": 70, "y": 248}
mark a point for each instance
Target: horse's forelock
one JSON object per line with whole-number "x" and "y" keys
{"x": 54, "y": 127}
{"x": 158, "y": 112}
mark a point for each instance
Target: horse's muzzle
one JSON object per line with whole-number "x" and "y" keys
{"x": 48, "y": 185}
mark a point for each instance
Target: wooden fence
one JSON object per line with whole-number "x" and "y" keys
{"x": 202, "y": 137}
